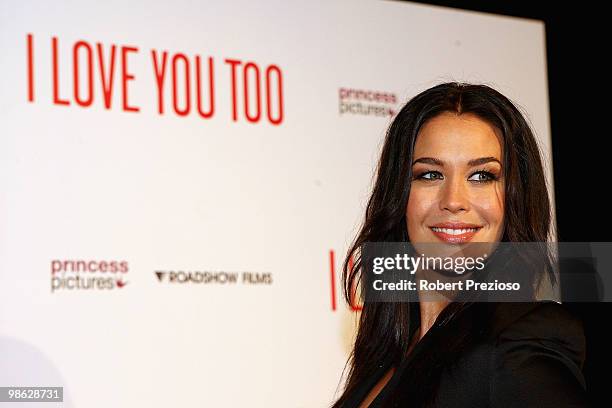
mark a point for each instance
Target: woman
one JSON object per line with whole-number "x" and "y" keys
{"x": 461, "y": 164}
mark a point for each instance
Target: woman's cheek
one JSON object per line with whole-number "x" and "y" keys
{"x": 491, "y": 211}
{"x": 419, "y": 203}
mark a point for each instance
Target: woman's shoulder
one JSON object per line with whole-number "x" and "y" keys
{"x": 539, "y": 354}
{"x": 547, "y": 320}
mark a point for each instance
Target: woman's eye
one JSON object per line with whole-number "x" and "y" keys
{"x": 482, "y": 176}
{"x": 431, "y": 175}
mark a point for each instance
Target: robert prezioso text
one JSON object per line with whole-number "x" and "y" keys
{"x": 437, "y": 285}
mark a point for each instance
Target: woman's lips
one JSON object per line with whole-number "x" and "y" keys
{"x": 455, "y": 234}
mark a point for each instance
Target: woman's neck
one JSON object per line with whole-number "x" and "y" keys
{"x": 429, "y": 312}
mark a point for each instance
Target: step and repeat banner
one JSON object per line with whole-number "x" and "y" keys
{"x": 180, "y": 181}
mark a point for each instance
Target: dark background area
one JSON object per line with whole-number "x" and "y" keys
{"x": 576, "y": 46}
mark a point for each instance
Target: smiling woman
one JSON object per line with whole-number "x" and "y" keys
{"x": 461, "y": 165}
{"x": 457, "y": 191}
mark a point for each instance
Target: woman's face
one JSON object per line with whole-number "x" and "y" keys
{"x": 457, "y": 188}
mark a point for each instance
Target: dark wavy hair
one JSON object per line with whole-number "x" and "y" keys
{"x": 385, "y": 328}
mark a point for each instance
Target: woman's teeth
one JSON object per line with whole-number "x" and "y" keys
{"x": 454, "y": 231}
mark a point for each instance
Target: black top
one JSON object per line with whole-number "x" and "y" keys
{"x": 532, "y": 356}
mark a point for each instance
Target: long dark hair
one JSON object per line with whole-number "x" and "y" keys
{"x": 385, "y": 328}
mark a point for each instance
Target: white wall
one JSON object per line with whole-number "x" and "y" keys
{"x": 163, "y": 192}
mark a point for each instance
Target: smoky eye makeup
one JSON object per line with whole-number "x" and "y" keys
{"x": 484, "y": 175}
{"x": 427, "y": 174}
{"x": 480, "y": 175}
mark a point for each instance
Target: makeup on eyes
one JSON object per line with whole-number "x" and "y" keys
{"x": 490, "y": 174}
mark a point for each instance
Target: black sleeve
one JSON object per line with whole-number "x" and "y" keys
{"x": 538, "y": 361}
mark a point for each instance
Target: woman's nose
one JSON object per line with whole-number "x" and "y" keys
{"x": 454, "y": 195}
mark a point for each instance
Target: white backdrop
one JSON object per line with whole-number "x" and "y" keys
{"x": 131, "y": 193}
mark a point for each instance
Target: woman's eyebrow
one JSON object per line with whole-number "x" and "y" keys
{"x": 483, "y": 160}
{"x": 428, "y": 160}
{"x": 473, "y": 162}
